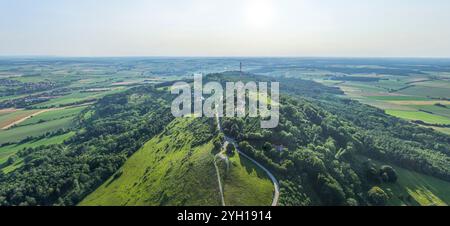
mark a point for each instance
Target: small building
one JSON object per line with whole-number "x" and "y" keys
{"x": 279, "y": 148}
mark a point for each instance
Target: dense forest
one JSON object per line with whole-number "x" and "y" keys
{"x": 315, "y": 148}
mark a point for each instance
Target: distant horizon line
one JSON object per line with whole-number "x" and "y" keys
{"x": 248, "y": 56}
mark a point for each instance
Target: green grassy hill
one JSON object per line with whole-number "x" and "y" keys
{"x": 167, "y": 170}
{"x": 246, "y": 184}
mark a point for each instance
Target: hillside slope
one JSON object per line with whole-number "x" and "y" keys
{"x": 170, "y": 169}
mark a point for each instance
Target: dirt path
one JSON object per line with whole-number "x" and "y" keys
{"x": 219, "y": 181}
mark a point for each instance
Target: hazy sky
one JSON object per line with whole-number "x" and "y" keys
{"x": 409, "y": 28}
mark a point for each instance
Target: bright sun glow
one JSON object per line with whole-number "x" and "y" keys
{"x": 259, "y": 13}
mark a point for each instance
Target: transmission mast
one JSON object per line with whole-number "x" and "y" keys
{"x": 240, "y": 68}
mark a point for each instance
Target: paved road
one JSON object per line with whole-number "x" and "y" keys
{"x": 271, "y": 176}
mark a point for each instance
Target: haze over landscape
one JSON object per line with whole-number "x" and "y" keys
{"x": 347, "y": 28}
{"x": 91, "y": 93}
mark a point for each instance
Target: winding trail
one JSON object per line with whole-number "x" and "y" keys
{"x": 219, "y": 181}
{"x": 230, "y": 140}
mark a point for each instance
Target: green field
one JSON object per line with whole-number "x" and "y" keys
{"x": 245, "y": 184}
{"x": 436, "y": 83}
{"x": 424, "y": 91}
{"x": 77, "y": 97}
{"x": 390, "y": 84}
{"x": 409, "y": 97}
{"x": 396, "y": 98}
{"x": 163, "y": 172}
{"x": 53, "y": 115}
{"x": 19, "y": 133}
{"x": 445, "y": 112}
{"x": 418, "y": 115}
{"x": 68, "y": 99}
{"x": 364, "y": 87}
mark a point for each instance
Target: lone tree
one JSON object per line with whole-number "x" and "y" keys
{"x": 218, "y": 142}
{"x": 377, "y": 196}
{"x": 230, "y": 149}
